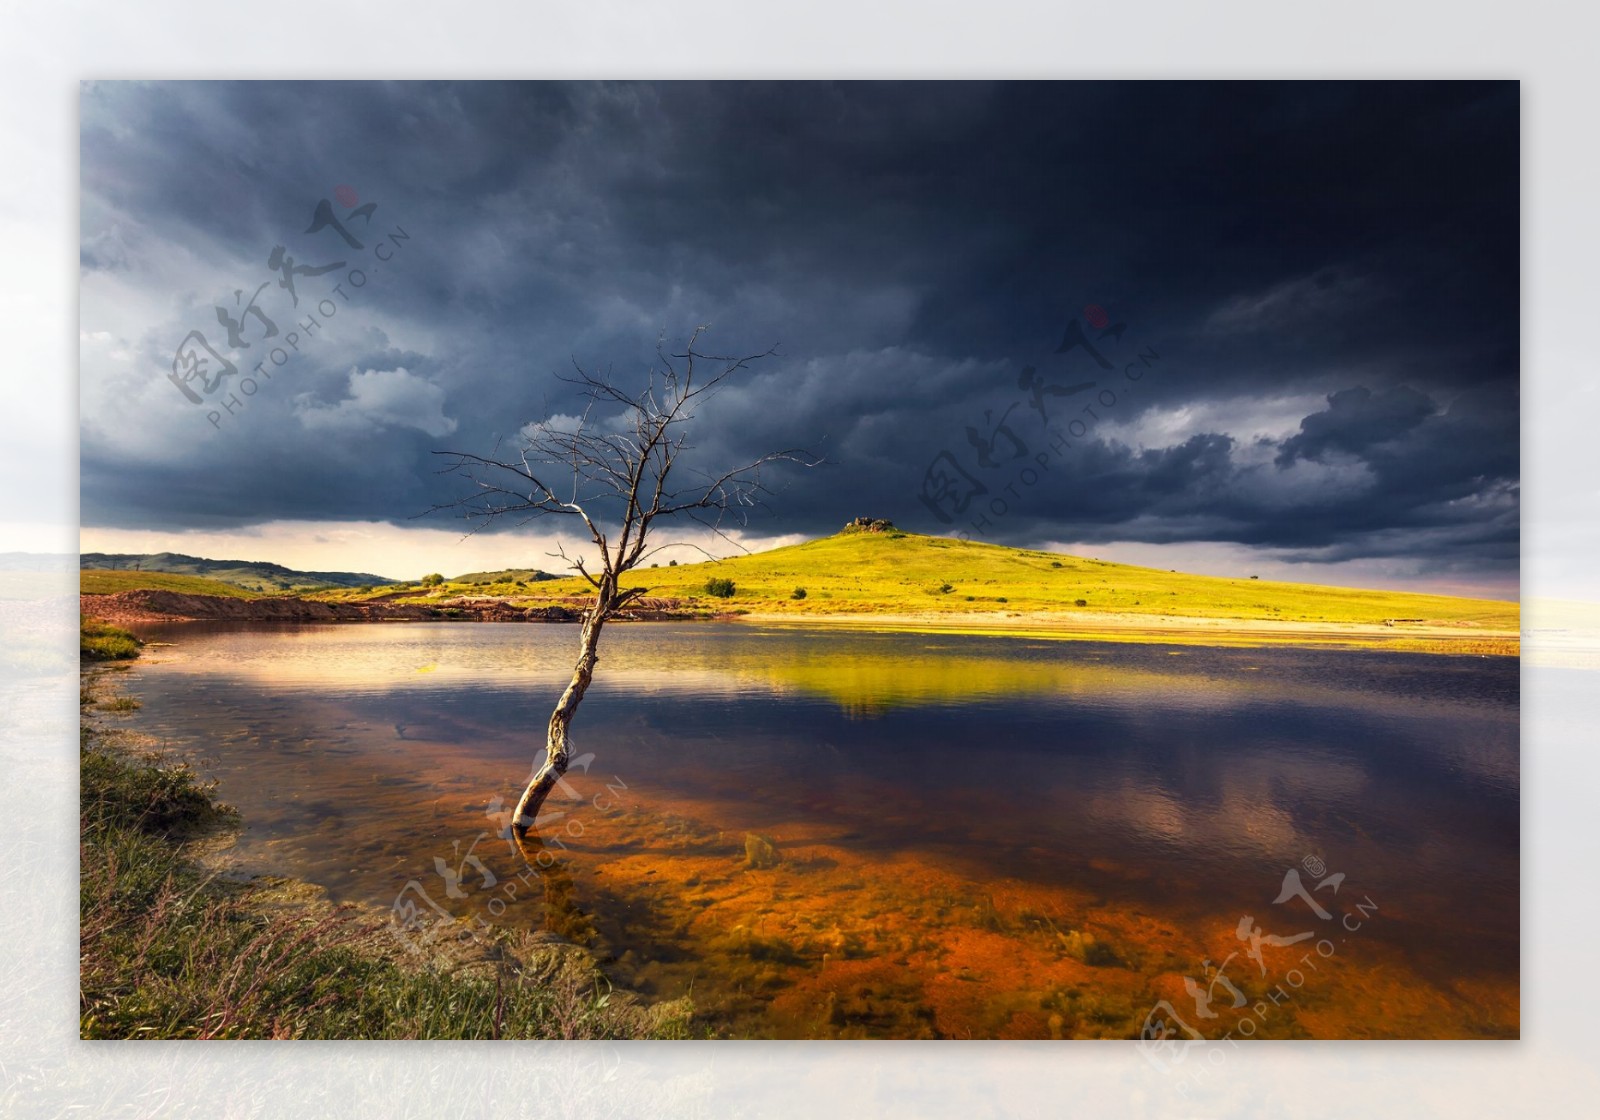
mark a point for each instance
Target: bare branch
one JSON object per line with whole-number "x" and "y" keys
{"x": 618, "y": 464}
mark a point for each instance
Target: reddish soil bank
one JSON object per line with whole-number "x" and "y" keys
{"x": 154, "y": 606}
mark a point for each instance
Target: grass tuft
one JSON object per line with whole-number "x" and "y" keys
{"x": 100, "y": 641}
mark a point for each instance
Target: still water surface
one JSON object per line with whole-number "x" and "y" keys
{"x": 978, "y": 836}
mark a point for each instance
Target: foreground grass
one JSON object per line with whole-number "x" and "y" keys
{"x": 170, "y": 952}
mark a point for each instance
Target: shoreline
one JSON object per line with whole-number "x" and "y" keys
{"x": 325, "y": 969}
{"x": 1400, "y": 636}
{"x": 1460, "y": 639}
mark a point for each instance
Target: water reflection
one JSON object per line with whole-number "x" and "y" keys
{"x": 970, "y": 829}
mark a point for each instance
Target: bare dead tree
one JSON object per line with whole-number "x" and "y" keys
{"x": 613, "y": 468}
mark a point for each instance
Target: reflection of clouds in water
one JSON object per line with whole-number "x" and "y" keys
{"x": 1248, "y": 808}
{"x": 1143, "y": 809}
{"x": 855, "y": 671}
{"x": 1484, "y": 758}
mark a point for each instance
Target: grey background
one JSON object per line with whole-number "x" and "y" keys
{"x": 45, "y": 1071}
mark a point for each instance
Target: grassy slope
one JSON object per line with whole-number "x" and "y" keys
{"x": 883, "y": 573}
{"x": 901, "y": 573}
{"x": 95, "y": 582}
{"x": 504, "y": 575}
{"x": 250, "y": 575}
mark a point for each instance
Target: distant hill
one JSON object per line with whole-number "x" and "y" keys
{"x": 252, "y": 575}
{"x": 505, "y": 575}
{"x": 100, "y": 581}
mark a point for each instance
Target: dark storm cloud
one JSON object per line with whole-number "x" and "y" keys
{"x": 910, "y": 246}
{"x": 1355, "y": 421}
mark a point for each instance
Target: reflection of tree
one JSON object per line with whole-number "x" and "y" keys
{"x": 562, "y": 914}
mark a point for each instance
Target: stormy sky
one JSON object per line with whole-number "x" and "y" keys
{"x": 1244, "y": 328}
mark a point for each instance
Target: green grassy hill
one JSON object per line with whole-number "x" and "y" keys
{"x": 504, "y": 576}
{"x": 93, "y": 582}
{"x": 252, "y": 575}
{"x": 894, "y": 572}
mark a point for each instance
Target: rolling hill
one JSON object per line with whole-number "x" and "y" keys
{"x": 252, "y": 575}
{"x": 880, "y": 576}
{"x": 93, "y": 581}
{"x": 893, "y": 572}
{"x": 505, "y": 575}
{"x": 863, "y": 573}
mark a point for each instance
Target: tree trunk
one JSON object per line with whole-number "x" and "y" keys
{"x": 557, "y": 745}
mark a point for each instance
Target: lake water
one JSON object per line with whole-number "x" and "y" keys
{"x": 975, "y": 836}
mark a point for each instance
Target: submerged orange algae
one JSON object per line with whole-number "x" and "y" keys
{"x": 843, "y": 940}
{"x": 839, "y": 943}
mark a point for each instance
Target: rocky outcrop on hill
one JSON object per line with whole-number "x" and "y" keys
{"x": 870, "y": 525}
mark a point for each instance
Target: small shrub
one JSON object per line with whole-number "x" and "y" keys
{"x": 1080, "y": 602}
{"x": 1055, "y": 563}
{"x": 1255, "y": 577}
{"x": 672, "y": 563}
{"x": 945, "y": 589}
{"x": 127, "y": 790}
{"x": 432, "y": 580}
{"x": 1002, "y": 599}
{"x": 721, "y": 588}
{"x": 798, "y": 593}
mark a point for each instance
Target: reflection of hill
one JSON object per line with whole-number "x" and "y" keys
{"x": 868, "y": 677}
{"x": 864, "y": 675}
{"x": 868, "y": 684}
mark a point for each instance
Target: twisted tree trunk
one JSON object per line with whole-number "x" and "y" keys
{"x": 558, "y": 746}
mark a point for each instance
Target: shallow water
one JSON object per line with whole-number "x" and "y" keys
{"x": 975, "y": 836}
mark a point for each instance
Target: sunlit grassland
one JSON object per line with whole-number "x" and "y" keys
{"x": 96, "y": 582}
{"x": 905, "y": 573}
{"x": 866, "y": 574}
